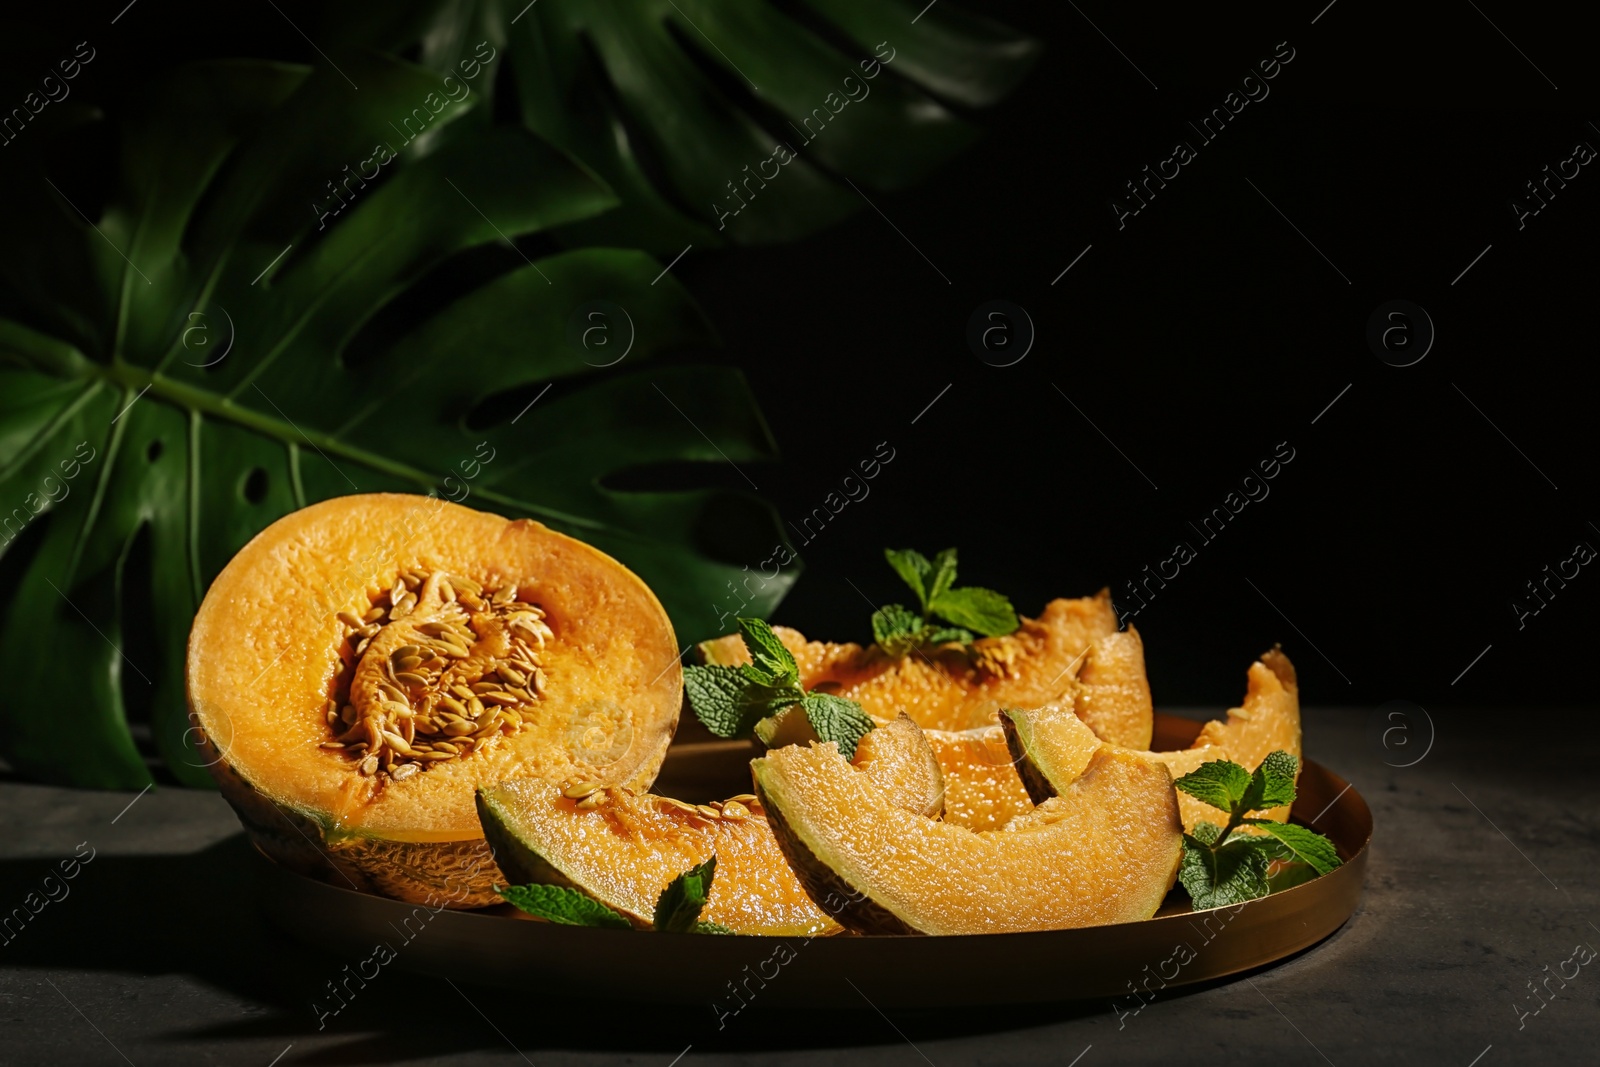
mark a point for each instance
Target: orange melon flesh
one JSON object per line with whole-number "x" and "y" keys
{"x": 1113, "y": 693}
{"x": 951, "y": 688}
{"x": 1267, "y": 721}
{"x": 898, "y": 757}
{"x": 625, "y": 851}
{"x": 268, "y": 650}
{"x": 1105, "y": 851}
{"x": 982, "y": 790}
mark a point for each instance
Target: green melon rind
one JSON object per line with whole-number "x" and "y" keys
{"x": 858, "y": 912}
{"x": 1033, "y": 766}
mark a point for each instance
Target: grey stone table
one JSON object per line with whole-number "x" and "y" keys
{"x": 1482, "y": 876}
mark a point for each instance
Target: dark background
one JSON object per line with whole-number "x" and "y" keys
{"x": 1206, "y": 332}
{"x": 1196, "y": 338}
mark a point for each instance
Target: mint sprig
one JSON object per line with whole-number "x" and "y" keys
{"x": 731, "y": 700}
{"x": 562, "y": 904}
{"x": 969, "y": 611}
{"x": 680, "y": 904}
{"x": 677, "y": 909}
{"x": 1221, "y": 866}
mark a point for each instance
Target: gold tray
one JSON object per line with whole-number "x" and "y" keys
{"x": 1177, "y": 947}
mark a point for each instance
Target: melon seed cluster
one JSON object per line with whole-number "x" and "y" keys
{"x": 591, "y": 794}
{"x": 443, "y": 667}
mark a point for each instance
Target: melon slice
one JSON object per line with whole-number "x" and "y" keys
{"x": 1267, "y": 721}
{"x": 1105, "y": 851}
{"x": 1050, "y": 747}
{"x": 1113, "y": 693}
{"x": 979, "y": 787}
{"x": 983, "y": 790}
{"x": 623, "y": 849}
{"x": 898, "y": 757}
{"x": 954, "y": 687}
{"x": 364, "y": 664}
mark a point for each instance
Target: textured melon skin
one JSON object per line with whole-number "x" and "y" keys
{"x": 455, "y": 874}
{"x": 280, "y": 592}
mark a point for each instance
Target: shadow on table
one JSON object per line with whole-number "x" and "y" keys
{"x": 196, "y": 914}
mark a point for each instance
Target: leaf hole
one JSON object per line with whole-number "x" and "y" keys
{"x": 153, "y": 450}
{"x": 254, "y": 486}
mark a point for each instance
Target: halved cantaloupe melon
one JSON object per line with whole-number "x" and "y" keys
{"x": 364, "y": 664}
{"x": 954, "y": 687}
{"x": 623, "y": 849}
{"x": 1104, "y": 851}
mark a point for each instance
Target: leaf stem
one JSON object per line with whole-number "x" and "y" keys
{"x": 221, "y": 407}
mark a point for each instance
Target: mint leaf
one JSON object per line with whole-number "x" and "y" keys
{"x": 771, "y": 663}
{"x": 913, "y": 568}
{"x": 969, "y": 610}
{"x": 1207, "y": 833}
{"x": 679, "y": 906}
{"x": 727, "y": 701}
{"x": 1220, "y": 783}
{"x": 895, "y": 628}
{"x": 1307, "y": 846}
{"x": 563, "y": 905}
{"x": 944, "y": 575}
{"x": 1272, "y": 785}
{"x": 710, "y": 928}
{"x": 1230, "y": 874}
{"x": 838, "y": 720}
{"x": 972, "y": 608}
{"x": 1290, "y": 875}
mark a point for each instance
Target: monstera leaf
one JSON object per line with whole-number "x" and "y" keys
{"x": 236, "y": 327}
{"x": 683, "y": 105}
